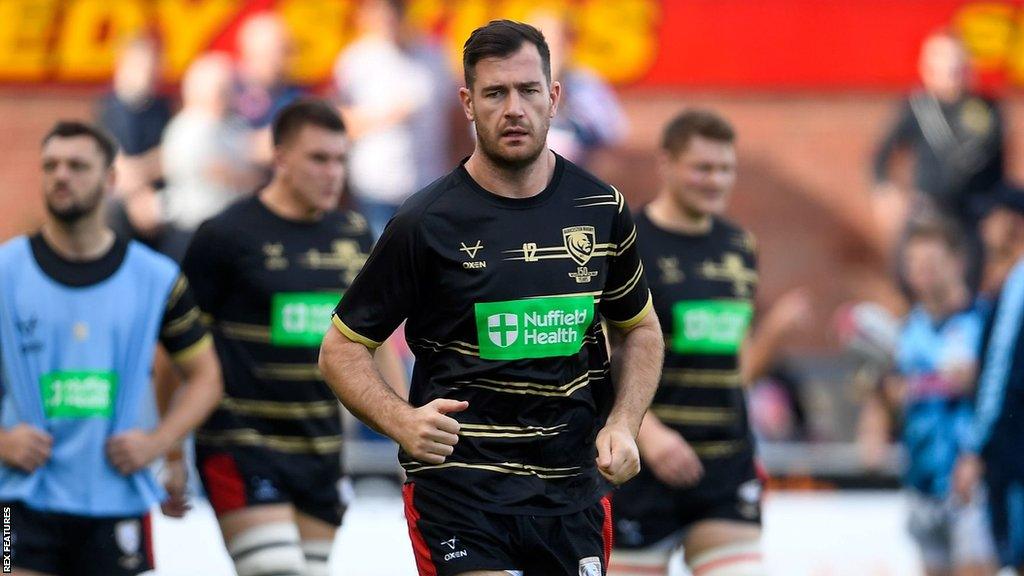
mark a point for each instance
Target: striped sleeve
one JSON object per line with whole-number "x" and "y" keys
{"x": 626, "y": 299}
{"x": 181, "y": 331}
{"x": 998, "y": 361}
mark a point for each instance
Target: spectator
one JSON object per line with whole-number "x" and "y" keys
{"x": 261, "y": 87}
{"x": 205, "y": 151}
{"x": 957, "y": 141}
{"x": 381, "y": 89}
{"x": 135, "y": 114}
{"x": 589, "y": 116}
{"x": 931, "y": 392}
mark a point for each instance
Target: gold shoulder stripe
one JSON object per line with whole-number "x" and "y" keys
{"x": 179, "y": 288}
{"x": 638, "y": 318}
{"x": 193, "y": 350}
{"x": 352, "y": 334}
{"x": 181, "y": 325}
{"x": 624, "y": 290}
{"x": 619, "y": 199}
{"x": 627, "y": 243}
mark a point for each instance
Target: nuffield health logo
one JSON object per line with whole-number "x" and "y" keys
{"x": 533, "y": 327}
{"x": 503, "y": 329}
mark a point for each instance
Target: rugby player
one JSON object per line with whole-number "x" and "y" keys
{"x": 81, "y": 312}
{"x": 517, "y": 420}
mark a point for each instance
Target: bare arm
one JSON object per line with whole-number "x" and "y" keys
{"x": 425, "y": 433}
{"x": 389, "y": 365}
{"x": 199, "y": 394}
{"x": 636, "y": 366}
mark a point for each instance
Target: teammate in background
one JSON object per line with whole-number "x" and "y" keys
{"x": 267, "y": 271}
{"x": 517, "y": 421}
{"x": 992, "y": 448}
{"x": 81, "y": 311}
{"x": 931, "y": 396}
{"x": 699, "y": 486}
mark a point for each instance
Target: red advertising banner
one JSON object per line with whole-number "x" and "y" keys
{"x": 733, "y": 44}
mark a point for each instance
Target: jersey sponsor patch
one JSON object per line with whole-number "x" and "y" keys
{"x": 301, "y": 318}
{"x": 710, "y": 326}
{"x": 533, "y": 327}
{"x": 78, "y": 393}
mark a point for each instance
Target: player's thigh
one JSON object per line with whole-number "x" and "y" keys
{"x": 244, "y": 519}
{"x": 311, "y": 528}
{"x": 707, "y": 535}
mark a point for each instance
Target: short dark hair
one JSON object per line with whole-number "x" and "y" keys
{"x": 934, "y": 227}
{"x": 74, "y": 128}
{"x": 303, "y": 112}
{"x": 499, "y": 39}
{"x": 695, "y": 122}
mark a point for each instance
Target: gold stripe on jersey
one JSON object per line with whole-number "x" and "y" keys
{"x": 603, "y": 249}
{"x": 695, "y": 415}
{"x": 496, "y": 431}
{"x": 280, "y": 410}
{"x": 244, "y": 332}
{"x": 701, "y": 378}
{"x": 637, "y": 318}
{"x": 619, "y": 199}
{"x": 179, "y": 326}
{"x": 459, "y": 346}
{"x": 352, "y": 334}
{"x": 500, "y": 467}
{"x": 625, "y": 289}
{"x": 536, "y": 388}
{"x": 283, "y": 371}
{"x": 627, "y": 243}
{"x": 291, "y": 444}
{"x": 180, "y": 285}
{"x": 192, "y": 350}
{"x": 718, "y": 449}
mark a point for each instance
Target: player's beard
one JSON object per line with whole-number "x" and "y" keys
{"x": 492, "y": 150}
{"x": 77, "y": 209}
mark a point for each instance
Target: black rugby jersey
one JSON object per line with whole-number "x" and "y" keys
{"x": 501, "y": 298}
{"x": 703, "y": 288}
{"x": 267, "y": 286}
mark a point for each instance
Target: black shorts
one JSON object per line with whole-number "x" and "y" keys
{"x": 70, "y": 545}
{"x": 648, "y": 511}
{"x": 1006, "y": 507}
{"x": 449, "y": 538}
{"x": 239, "y": 477}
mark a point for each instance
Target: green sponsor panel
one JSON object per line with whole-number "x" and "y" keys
{"x": 710, "y": 326}
{"x": 78, "y": 393}
{"x": 534, "y": 327}
{"x": 301, "y": 318}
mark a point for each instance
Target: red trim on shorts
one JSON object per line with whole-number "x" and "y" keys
{"x": 608, "y": 530}
{"x": 147, "y": 539}
{"x": 225, "y": 484}
{"x": 748, "y": 557}
{"x": 424, "y": 563}
{"x": 637, "y": 569}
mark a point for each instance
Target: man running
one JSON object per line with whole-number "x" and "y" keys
{"x": 517, "y": 421}
{"x": 268, "y": 271}
{"x": 81, "y": 312}
{"x": 699, "y": 487}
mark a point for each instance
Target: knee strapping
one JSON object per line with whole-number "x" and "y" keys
{"x": 318, "y": 555}
{"x": 743, "y": 559}
{"x": 268, "y": 549}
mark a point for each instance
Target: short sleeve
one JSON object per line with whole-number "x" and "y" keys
{"x": 386, "y": 289}
{"x": 181, "y": 331}
{"x": 626, "y": 299}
